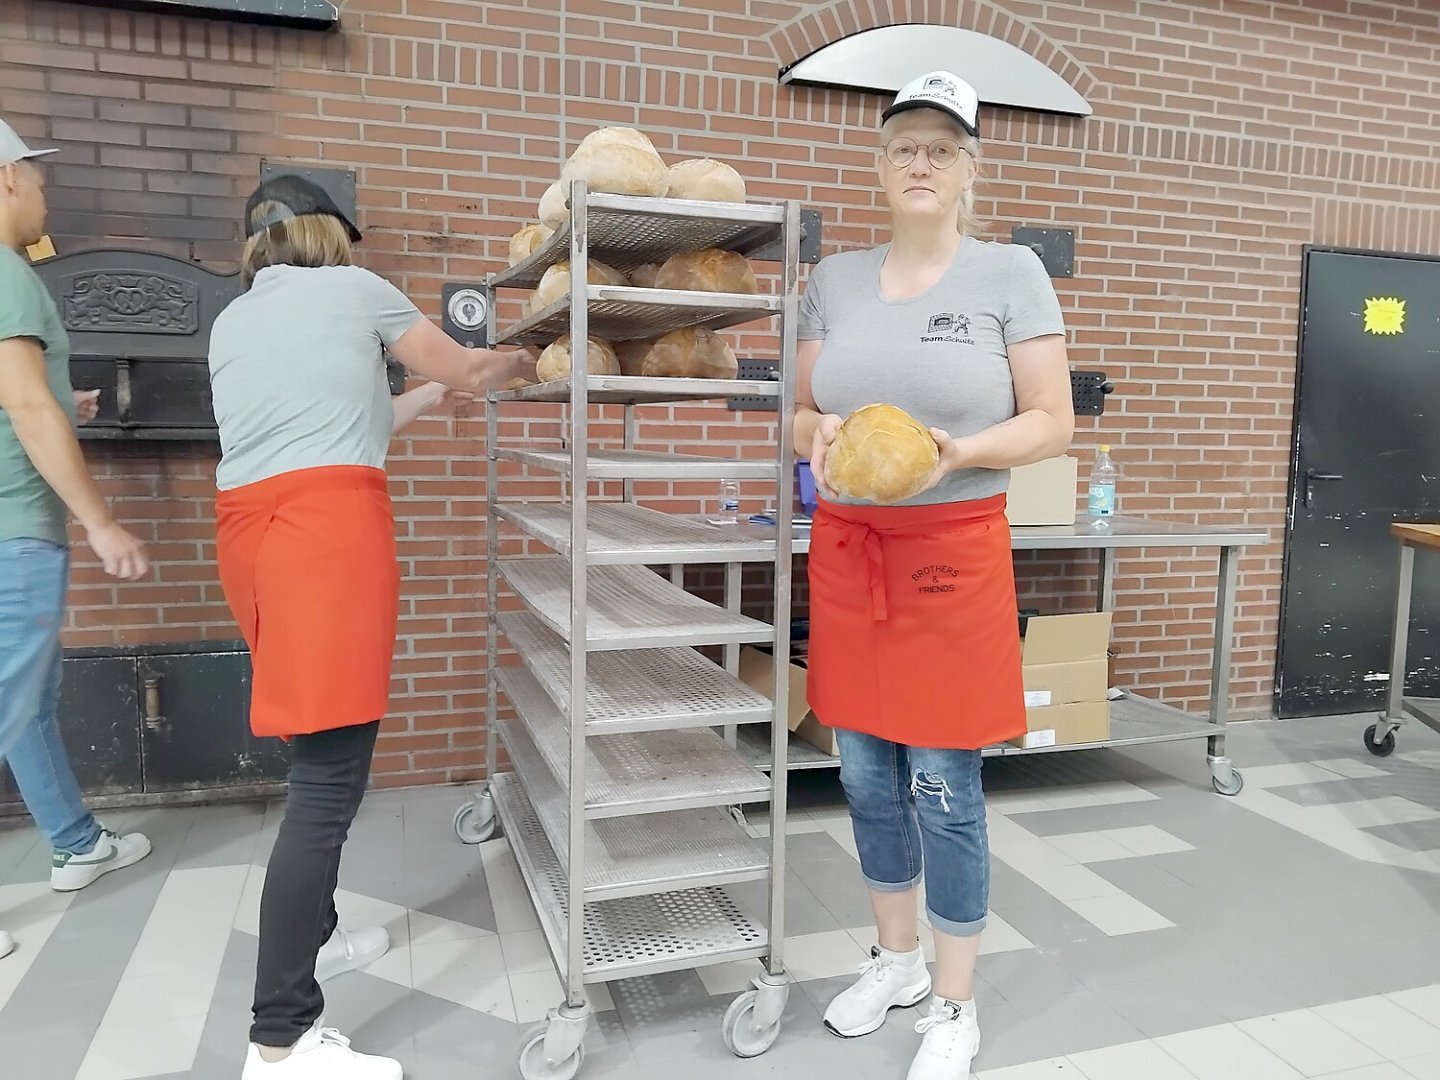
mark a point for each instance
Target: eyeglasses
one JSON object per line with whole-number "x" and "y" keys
{"x": 942, "y": 153}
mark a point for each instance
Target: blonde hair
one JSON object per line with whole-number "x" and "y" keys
{"x": 307, "y": 240}
{"x": 966, "y": 220}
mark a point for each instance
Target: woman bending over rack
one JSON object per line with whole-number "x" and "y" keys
{"x": 306, "y": 548}
{"x": 914, "y": 649}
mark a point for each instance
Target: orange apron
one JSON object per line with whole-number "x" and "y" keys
{"x": 914, "y": 629}
{"x": 307, "y": 564}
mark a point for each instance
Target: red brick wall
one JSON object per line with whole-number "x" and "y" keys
{"x": 1221, "y": 143}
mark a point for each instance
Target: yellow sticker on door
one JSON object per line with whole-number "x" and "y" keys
{"x": 1384, "y": 315}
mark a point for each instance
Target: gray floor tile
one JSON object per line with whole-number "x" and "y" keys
{"x": 804, "y": 913}
{"x": 1013, "y": 1034}
{"x": 1159, "y": 1007}
{"x": 1027, "y": 977}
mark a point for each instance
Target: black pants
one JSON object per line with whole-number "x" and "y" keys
{"x": 328, "y": 773}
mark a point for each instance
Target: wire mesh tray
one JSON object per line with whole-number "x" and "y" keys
{"x": 645, "y": 690}
{"x": 652, "y": 773}
{"x": 625, "y": 313}
{"x": 629, "y": 607}
{"x": 634, "y": 390}
{"x": 633, "y": 856}
{"x": 624, "y": 938}
{"x": 625, "y": 231}
{"x": 622, "y": 532}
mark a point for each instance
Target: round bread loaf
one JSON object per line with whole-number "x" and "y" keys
{"x": 618, "y": 160}
{"x": 527, "y": 241}
{"x": 555, "y": 282}
{"x": 882, "y": 455}
{"x": 554, "y": 362}
{"x": 690, "y": 353}
{"x": 643, "y": 277}
{"x": 710, "y": 270}
{"x": 632, "y": 354}
{"x": 707, "y": 179}
{"x": 553, "y": 209}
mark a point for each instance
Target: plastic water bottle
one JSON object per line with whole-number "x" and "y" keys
{"x": 728, "y": 508}
{"x": 1102, "y": 484}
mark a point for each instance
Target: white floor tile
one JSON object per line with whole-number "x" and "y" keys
{"x": 1131, "y": 1061}
{"x": 1287, "y": 775}
{"x": 1424, "y": 1002}
{"x": 395, "y": 966}
{"x": 130, "y": 1051}
{"x": 1309, "y": 1042}
{"x": 155, "y": 998}
{"x": 427, "y": 929}
{"x": 1350, "y": 768}
{"x": 1069, "y": 883}
{"x": 1224, "y": 1052}
{"x": 1049, "y": 1069}
{"x": 1073, "y": 798}
{"x": 357, "y": 912}
{"x": 1000, "y": 937}
{"x": 526, "y": 952}
{"x": 537, "y": 992}
{"x": 1119, "y": 792}
{"x": 1148, "y": 840}
{"x": 29, "y": 913}
{"x": 732, "y": 978}
{"x": 469, "y": 973}
{"x": 1386, "y": 1071}
{"x": 1424, "y": 1067}
{"x": 822, "y": 956}
{"x": 1385, "y": 1026}
{"x": 1117, "y": 915}
{"x": 1088, "y": 847}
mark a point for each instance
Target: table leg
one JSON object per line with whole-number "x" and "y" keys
{"x": 1224, "y": 775}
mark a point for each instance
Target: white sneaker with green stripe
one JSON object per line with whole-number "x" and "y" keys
{"x": 70, "y": 871}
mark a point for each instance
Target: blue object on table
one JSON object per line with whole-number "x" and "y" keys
{"x": 805, "y": 484}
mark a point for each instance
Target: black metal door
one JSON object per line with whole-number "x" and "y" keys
{"x": 1367, "y": 452}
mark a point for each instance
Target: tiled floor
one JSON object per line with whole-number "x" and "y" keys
{"x": 1143, "y": 929}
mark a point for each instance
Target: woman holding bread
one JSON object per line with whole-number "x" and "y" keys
{"x": 306, "y": 549}
{"x": 914, "y": 651}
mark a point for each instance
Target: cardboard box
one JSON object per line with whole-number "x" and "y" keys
{"x": 1066, "y": 668}
{"x": 757, "y": 671}
{"x": 1044, "y": 493}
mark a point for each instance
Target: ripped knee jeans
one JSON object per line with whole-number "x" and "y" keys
{"x": 917, "y": 814}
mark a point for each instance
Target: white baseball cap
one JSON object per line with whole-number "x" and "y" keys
{"x": 940, "y": 90}
{"x": 13, "y": 148}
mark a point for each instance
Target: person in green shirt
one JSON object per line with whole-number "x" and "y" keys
{"x": 42, "y": 473}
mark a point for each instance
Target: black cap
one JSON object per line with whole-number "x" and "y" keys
{"x": 291, "y": 196}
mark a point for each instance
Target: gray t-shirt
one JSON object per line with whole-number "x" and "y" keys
{"x": 298, "y": 373}
{"x": 940, "y": 356}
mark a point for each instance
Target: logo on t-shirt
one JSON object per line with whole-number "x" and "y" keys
{"x": 946, "y": 326}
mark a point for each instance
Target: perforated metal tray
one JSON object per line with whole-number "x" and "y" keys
{"x": 642, "y": 465}
{"x": 646, "y": 690}
{"x": 625, "y": 231}
{"x": 621, "y": 532}
{"x": 653, "y": 773}
{"x": 634, "y": 390}
{"x": 628, "y": 607}
{"x": 624, "y": 313}
{"x": 624, "y": 938}
{"x": 634, "y": 856}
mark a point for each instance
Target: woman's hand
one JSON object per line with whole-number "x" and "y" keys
{"x": 87, "y": 405}
{"x": 825, "y": 431}
{"x": 952, "y": 454}
{"x": 522, "y": 364}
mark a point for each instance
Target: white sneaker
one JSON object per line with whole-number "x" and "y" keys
{"x": 887, "y": 981}
{"x": 7, "y": 944}
{"x": 69, "y": 872}
{"x": 321, "y": 1054}
{"x": 952, "y": 1039}
{"x": 349, "y": 950}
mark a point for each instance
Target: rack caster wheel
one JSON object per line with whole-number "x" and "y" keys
{"x": 748, "y": 1028}
{"x": 475, "y": 821}
{"x": 534, "y": 1065}
{"x": 1233, "y": 786}
{"x": 1382, "y": 747}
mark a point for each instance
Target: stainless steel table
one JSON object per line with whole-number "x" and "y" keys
{"x": 1135, "y": 719}
{"x": 1380, "y": 736}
